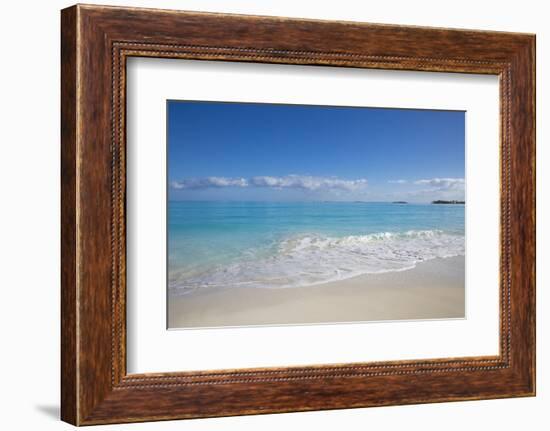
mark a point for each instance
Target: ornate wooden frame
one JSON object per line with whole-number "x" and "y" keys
{"x": 95, "y": 42}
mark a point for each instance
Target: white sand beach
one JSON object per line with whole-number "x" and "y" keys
{"x": 434, "y": 289}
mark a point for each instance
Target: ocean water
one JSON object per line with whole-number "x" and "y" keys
{"x": 293, "y": 244}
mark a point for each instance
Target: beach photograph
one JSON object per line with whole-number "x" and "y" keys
{"x": 283, "y": 214}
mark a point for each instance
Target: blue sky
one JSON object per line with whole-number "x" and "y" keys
{"x": 241, "y": 151}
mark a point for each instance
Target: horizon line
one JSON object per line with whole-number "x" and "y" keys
{"x": 397, "y": 201}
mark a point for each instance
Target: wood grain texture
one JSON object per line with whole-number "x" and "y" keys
{"x": 96, "y": 41}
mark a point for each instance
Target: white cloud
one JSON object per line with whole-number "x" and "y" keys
{"x": 436, "y": 188}
{"x": 308, "y": 182}
{"x": 443, "y": 183}
{"x": 203, "y": 183}
{"x": 397, "y": 181}
{"x": 303, "y": 182}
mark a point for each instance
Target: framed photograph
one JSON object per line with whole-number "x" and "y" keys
{"x": 301, "y": 243}
{"x": 265, "y": 215}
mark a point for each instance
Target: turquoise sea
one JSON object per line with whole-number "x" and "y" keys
{"x": 292, "y": 244}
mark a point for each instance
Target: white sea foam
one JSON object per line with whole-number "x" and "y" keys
{"x": 307, "y": 260}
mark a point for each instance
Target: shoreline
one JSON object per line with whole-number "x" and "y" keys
{"x": 433, "y": 289}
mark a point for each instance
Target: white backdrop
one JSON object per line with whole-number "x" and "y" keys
{"x": 29, "y": 228}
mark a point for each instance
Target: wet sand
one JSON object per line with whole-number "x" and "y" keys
{"x": 432, "y": 290}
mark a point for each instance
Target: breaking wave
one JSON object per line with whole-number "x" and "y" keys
{"x": 311, "y": 259}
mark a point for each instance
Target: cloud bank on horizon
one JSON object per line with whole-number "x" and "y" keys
{"x": 317, "y": 187}
{"x": 302, "y": 182}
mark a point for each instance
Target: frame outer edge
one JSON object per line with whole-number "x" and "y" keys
{"x": 533, "y": 54}
{"x": 532, "y": 101}
{"x": 69, "y": 201}
{"x": 530, "y": 62}
{"x": 523, "y": 252}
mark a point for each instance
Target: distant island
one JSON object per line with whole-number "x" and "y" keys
{"x": 448, "y": 202}
{"x": 399, "y": 202}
